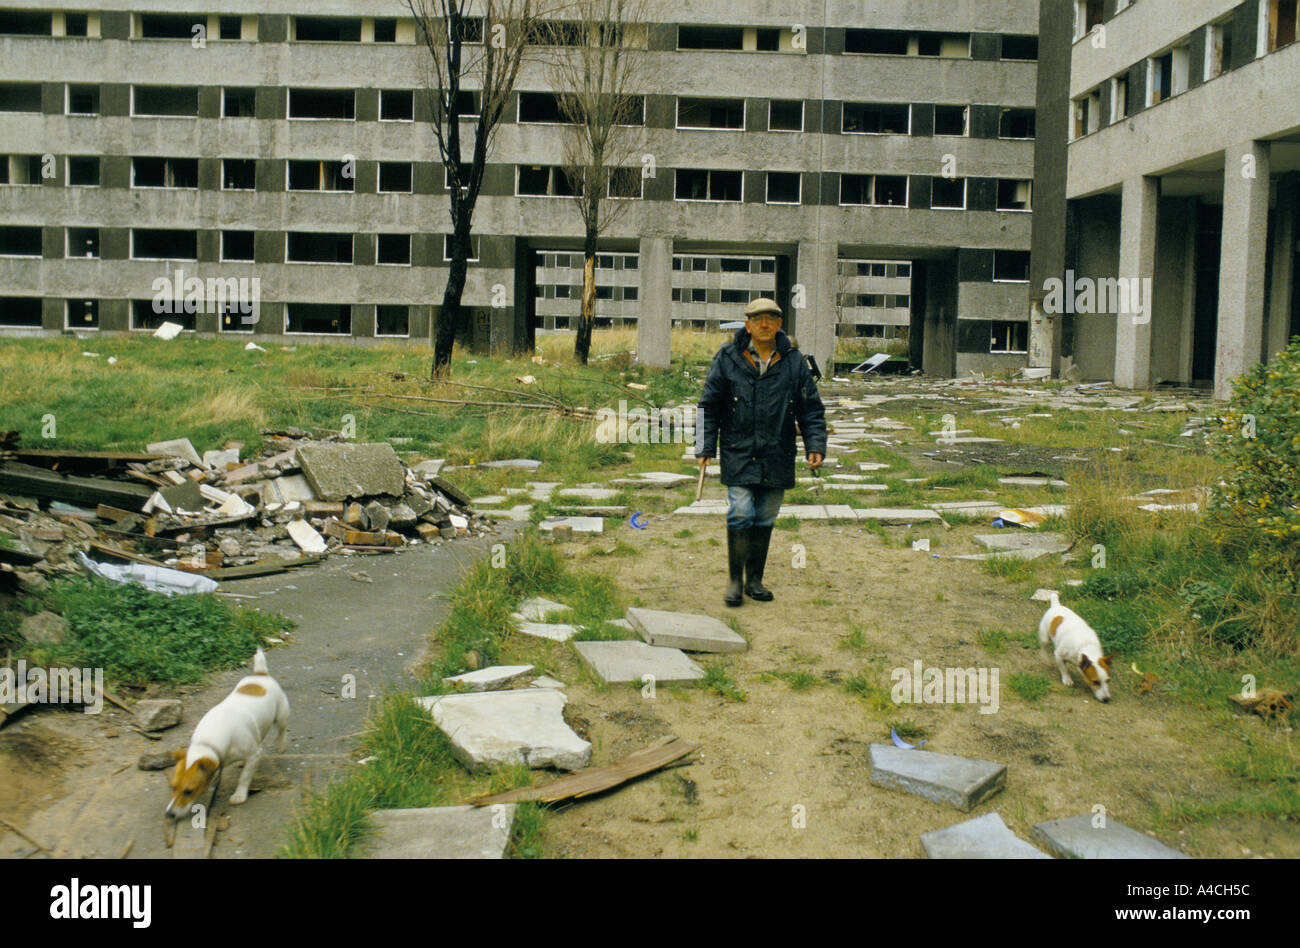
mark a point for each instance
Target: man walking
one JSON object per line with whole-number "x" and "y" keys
{"x": 759, "y": 386}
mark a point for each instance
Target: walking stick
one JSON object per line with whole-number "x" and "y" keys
{"x": 699, "y": 487}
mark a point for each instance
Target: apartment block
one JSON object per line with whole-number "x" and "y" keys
{"x": 784, "y": 144}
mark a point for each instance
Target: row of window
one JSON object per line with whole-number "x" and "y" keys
{"x": 534, "y": 108}
{"x": 1170, "y": 72}
{"x": 875, "y": 301}
{"x": 198, "y": 28}
{"x": 566, "y": 291}
{"x": 691, "y": 184}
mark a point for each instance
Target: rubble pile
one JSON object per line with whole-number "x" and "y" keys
{"x": 223, "y": 514}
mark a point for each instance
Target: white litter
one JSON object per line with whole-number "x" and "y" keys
{"x": 168, "y": 331}
{"x": 157, "y": 578}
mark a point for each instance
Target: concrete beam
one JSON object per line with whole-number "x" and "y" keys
{"x": 1241, "y": 267}
{"x": 1137, "y": 261}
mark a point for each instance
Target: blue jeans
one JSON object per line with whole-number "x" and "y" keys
{"x": 753, "y": 506}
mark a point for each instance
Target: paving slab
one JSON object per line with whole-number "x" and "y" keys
{"x": 684, "y": 630}
{"x": 554, "y": 632}
{"x": 942, "y": 778}
{"x": 947, "y": 441}
{"x": 1032, "y": 482}
{"x": 520, "y": 513}
{"x": 962, "y": 506}
{"x": 523, "y": 464}
{"x": 441, "y": 832}
{"x": 804, "y": 511}
{"x": 659, "y": 479}
{"x": 541, "y": 490}
{"x": 525, "y": 726}
{"x": 344, "y": 471}
{"x": 632, "y": 661}
{"x": 589, "y": 493}
{"x": 1032, "y": 545}
{"x": 591, "y": 511}
{"x": 895, "y": 515}
{"x": 868, "y": 466}
{"x": 489, "y": 679}
{"x": 490, "y": 501}
{"x": 1075, "y": 837}
{"x": 985, "y": 837}
{"x": 538, "y": 608}
{"x": 579, "y": 524}
{"x": 546, "y": 681}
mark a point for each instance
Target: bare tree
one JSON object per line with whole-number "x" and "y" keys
{"x": 476, "y": 47}
{"x": 597, "y": 75}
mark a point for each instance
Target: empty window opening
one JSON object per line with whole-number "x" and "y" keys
{"x": 1015, "y": 195}
{"x": 184, "y": 26}
{"x": 143, "y": 316}
{"x": 320, "y": 319}
{"x": 785, "y": 115}
{"x": 948, "y": 45}
{"x": 321, "y": 176}
{"x": 950, "y": 119}
{"x": 20, "y": 97}
{"x": 1011, "y": 266}
{"x": 394, "y": 249}
{"x": 165, "y": 172}
{"x": 948, "y": 193}
{"x": 83, "y": 171}
{"x": 81, "y": 314}
{"x": 392, "y": 320}
{"x": 20, "y": 242}
{"x": 76, "y": 24}
{"x": 151, "y": 244}
{"x": 625, "y": 183}
{"x": 83, "y": 242}
{"x": 874, "y": 190}
{"x": 166, "y": 101}
{"x": 396, "y": 105}
{"x": 544, "y": 181}
{"x": 1281, "y": 23}
{"x": 711, "y": 113}
{"x": 237, "y": 245}
{"x": 230, "y": 28}
{"x": 238, "y": 103}
{"x": 83, "y": 100}
{"x": 238, "y": 174}
{"x": 321, "y": 29}
{"x": 711, "y": 37}
{"x": 1161, "y": 78}
{"x": 1020, "y": 47}
{"x": 319, "y": 248}
{"x": 385, "y": 30}
{"x": 877, "y": 42}
{"x": 541, "y": 108}
{"x": 702, "y": 185}
{"x": 21, "y": 169}
{"x": 322, "y": 104}
{"x": 870, "y": 118}
{"x": 468, "y": 104}
{"x": 1008, "y": 337}
{"x": 23, "y": 23}
{"x": 1017, "y": 123}
{"x": 395, "y": 176}
{"x": 783, "y": 187}
{"x": 446, "y": 249}
{"x": 20, "y": 312}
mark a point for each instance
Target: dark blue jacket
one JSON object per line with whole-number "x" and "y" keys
{"x": 754, "y": 417}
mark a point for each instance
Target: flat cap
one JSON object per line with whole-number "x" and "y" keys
{"x": 762, "y": 305}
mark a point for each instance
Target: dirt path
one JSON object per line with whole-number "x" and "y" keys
{"x": 785, "y": 753}
{"x": 71, "y": 781}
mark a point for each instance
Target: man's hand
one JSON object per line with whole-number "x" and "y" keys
{"x": 815, "y": 461}
{"x": 704, "y": 462}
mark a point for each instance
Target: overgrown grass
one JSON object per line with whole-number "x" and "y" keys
{"x": 1028, "y": 686}
{"x": 139, "y": 637}
{"x": 717, "y": 680}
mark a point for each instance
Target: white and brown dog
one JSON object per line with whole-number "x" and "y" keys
{"x": 1076, "y": 644}
{"x": 232, "y": 731}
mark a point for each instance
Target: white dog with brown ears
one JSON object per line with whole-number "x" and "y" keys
{"x": 232, "y": 731}
{"x": 1076, "y": 644}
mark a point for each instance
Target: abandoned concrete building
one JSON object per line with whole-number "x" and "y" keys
{"x": 871, "y": 167}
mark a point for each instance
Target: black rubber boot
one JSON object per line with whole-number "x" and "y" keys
{"x": 759, "y": 540}
{"x": 737, "y": 551}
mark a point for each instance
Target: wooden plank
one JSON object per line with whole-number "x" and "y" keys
{"x": 115, "y": 514}
{"x": 594, "y": 780}
{"x": 263, "y": 569}
{"x": 83, "y": 462}
{"x": 47, "y": 485}
{"x": 115, "y": 550}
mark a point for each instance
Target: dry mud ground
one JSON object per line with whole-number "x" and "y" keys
{"x": 780, "y": 750}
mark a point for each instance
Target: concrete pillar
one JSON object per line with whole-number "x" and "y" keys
{"x": 1137, "y": 261}
{"x": 813, "y": 299}
{"x": 939, "y": 357}
{"x": 1241, "y": 266}
{"x": 1042, "y": 330}
{"x": 654, "y": 323}
{"x": 1283, "y": 275}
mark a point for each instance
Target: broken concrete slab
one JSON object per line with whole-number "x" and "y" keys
{"x": 520, "y": 513}
{"x": 546, "y": 681}
{"x": 176, "y": 448}
{"x": 345, "y": 471}
{"x": 523, "y": 464}
{"x": 44, "y": 628}
{"x": 556, "y": 632}
{"x": 942, "y": 778}
{"x": 1032, "y": 482}
{"x": 490, "y": 501}
{"x": 589, "y": 493}
{"x": 443, "y": 832}
{"x": 221, "y": 460}
{"x": 1076, "y": 837}
{"x": 1024, "y": 545}
{"x": 489, "y": 679}
{"x": 896, "y": 516}
{"x": 589, "y": 525}
{"x": 633, "y": 661}
{"x": 291, "y": 487}
{"x": 157, "y": 714}
{"x": 985, "y": 837}
{"x": 691, "y": 633}
{"x": 525, "y": 726}
{"x": 592, "y": 511}
{"x": 305, "y": 535}
{"x": 427, "y": 469}
{"x": 966, "y": 506}
{"x": 649, "y": 479}
{"x": 538, "y": 608}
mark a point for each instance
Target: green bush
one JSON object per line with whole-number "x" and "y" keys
{"x": 1255, "y": 510}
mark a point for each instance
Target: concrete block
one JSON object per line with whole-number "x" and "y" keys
{"x": 344, "y": 471}
{"x": 293, "y": 487}
{"x": 632, "y": 661}
{"x": 523, "y": 464}
{"x": 895, "y": 515}
{"x": 444, "y": 832}
{"x": 556, "y": 633}
{"x": 546, "y": 681}
{"x": 589, "y": 525}
{"x": 489, "y": 679}
{"x": 538, "y": 608}
{"x": 691, "y": 633}
{"x": 589, "y": 493}
{"x": 157, "y": 714}
{"x": 1076, "y": 838}
{"x": 943, "y": 778}
{"x": 985, "y": 837}
{"x": 1029, "y": 545}
{"x": 525, "y": 726}
{"x": 176, "y": 448}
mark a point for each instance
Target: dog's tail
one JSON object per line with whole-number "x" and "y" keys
{"x": 259, "y": 663}
{"x": 1056, "y": 600}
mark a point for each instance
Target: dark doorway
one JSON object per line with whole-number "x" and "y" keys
{"x": 1209, "y": 249}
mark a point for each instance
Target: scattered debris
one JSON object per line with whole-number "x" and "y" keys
{"x": 902, "y": 744}
{"x": 1268, "y": 703}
